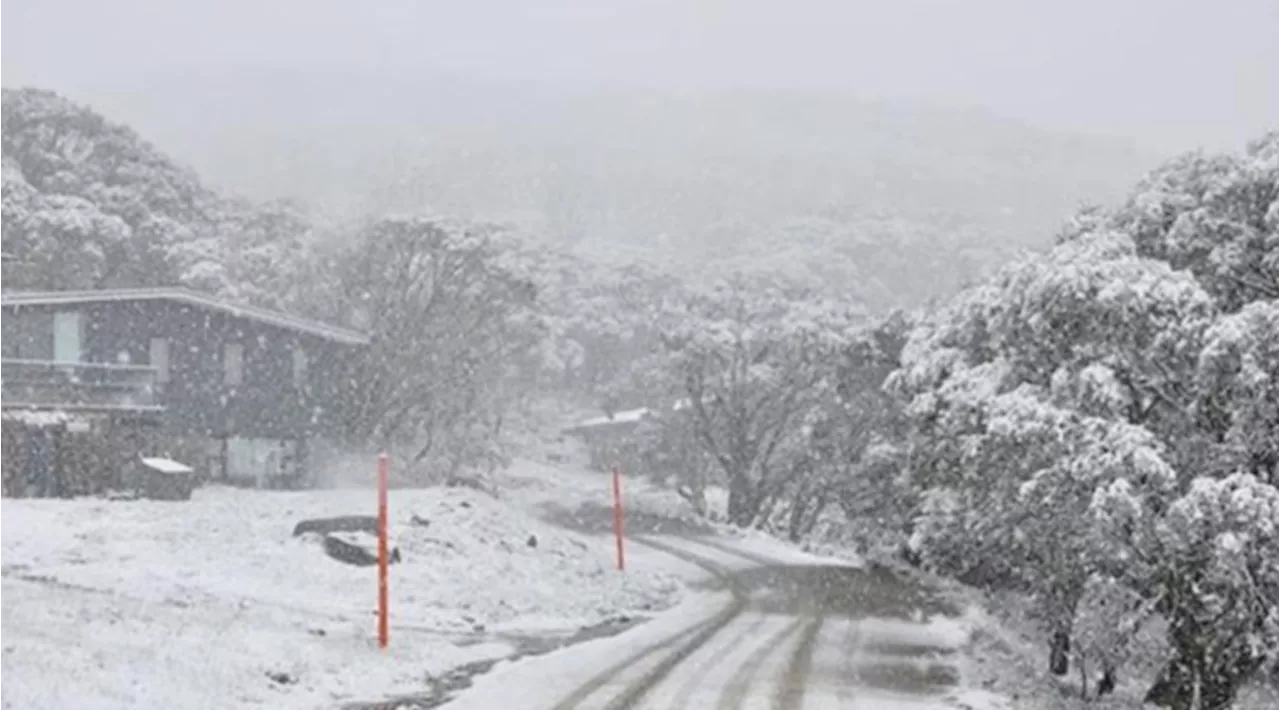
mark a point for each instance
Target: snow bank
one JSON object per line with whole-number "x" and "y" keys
{"x": 202, "y": 603}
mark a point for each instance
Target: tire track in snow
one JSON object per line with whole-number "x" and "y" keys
{"x": 852, "y": 645}
{"x": 693, "y": 638}
{"x": 735, "y": 693}
{"x": 685, "y": 693}
{"x": 791, "y": 692}
{"x": 602, "y": 679}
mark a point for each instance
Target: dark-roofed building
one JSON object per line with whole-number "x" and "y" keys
{"x": 234, "y": 391}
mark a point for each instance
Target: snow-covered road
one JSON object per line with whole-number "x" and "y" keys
{"x": 769, "y": 631}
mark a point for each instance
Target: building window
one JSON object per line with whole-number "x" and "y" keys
{"x": 159, "y": 359}
{"x": 260, "y": 460}
{"x": 299, "y": 367}
{"x": 66, "y": 336}
{"x": 232, "y": 363}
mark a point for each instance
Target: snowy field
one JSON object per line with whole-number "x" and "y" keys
{"x": 213, "y": 602}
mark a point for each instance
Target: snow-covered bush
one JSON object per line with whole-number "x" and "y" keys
{"x": 1208, "y": 563}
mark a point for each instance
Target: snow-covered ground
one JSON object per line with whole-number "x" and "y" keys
{"x": 214, "y": 603}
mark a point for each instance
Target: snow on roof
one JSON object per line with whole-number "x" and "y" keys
{"x": 164, "y": 465}
{"x": 630, "y": 416}
{"x": 627, "y": 417}
{"x": 38, "y": 418}
{"x": 189, "y": 297}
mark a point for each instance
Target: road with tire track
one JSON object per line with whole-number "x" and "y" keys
{"x": 788, "y": 637}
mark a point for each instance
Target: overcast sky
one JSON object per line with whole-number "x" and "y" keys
{"x": 1175, "y": 73}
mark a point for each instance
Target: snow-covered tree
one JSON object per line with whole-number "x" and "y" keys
{"x": 852, "y": 456}
{"x": 1070, "y": 414}
{"x": 1207, "y": 562}
{"x": 672, "y": 454}
{"x": 603, "y": 318}
{"x": 753, "y": 364}
{"x": 105, "y": 209}
{"x": 255, "y": 253}
{"x": 1056, "y": 379}
{"x": 1236, "y": 382}
{"x": 450, "y": 316}
{"x": 1214, "y": 216}
{"x": 883, "y": 261}
{"x": 89, "y": 204}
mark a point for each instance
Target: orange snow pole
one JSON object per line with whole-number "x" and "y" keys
{"x": 617, "y": 516}
{"x": 383, "y": 631}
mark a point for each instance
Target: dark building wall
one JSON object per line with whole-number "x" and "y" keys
{"x": 29, "y": 336}
{"x": 267, "y": 403}
{"x": 197, "y": 397}
{"x": 12, "y": 450}
{"x": 56, "y": 461}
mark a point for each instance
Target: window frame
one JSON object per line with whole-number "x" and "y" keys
{"x": 159, "y": 359}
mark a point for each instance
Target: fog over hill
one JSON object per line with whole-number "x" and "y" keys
{"x": 626, "y": 165}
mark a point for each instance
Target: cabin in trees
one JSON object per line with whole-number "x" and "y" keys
{"x": 234, "y": 391}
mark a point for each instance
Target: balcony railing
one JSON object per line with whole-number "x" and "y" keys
{"x": 45, "y": 384}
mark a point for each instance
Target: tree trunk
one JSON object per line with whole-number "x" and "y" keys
{"x": 795, "y": 520}
{"x": 1062, "y": 601}
{"x": 695, "y": 495}
{"x": 806, "y": 507}
{"x": 743, "y": 503}
{"x": 1107, "y": 683}
{"x": 1059, "y": 652}
{"x": 1173, "y": 687}
{"x": 795, "y": 516}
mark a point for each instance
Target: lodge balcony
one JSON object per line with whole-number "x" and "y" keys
{"x": 78, "y": 387}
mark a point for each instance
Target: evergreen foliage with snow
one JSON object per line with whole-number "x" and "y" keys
{"x": 1105, "y": 413}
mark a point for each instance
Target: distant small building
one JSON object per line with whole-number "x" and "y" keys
{"x": 610, "y": 439}
{"x": 616, "y": 423}
{"x": 614, "y": 439}
{"x": 234, "y": 391}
